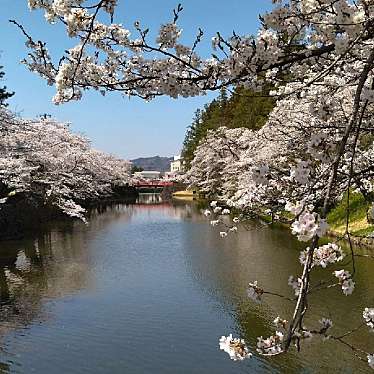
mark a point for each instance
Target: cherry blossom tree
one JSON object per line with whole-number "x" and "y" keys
{"x": 45, "y": 160}
{"x": 318, "y": 55}
{"x": 287, "y": 165}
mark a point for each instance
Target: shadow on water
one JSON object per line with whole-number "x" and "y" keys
{"x": 150, "y": 287}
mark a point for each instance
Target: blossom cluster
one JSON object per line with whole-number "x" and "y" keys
{"x": 271, "y": 345}
{"x": 346, "y": 281}
{"x": 279, "y": 322}
{"x": 221, "y": 213}
{"x": 254, "y": 292}
{"x": 368, "y": 315}
{"x": 308, "y": 225}
{"x": 324, "y": 255}
{"x": 371, "y": 360}
{"x": 235, "y": 347}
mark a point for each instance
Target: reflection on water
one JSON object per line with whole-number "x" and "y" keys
{"x": 150, "y": 199}
{"x": 149, "y": 288}
{"x": 32, "y": 271}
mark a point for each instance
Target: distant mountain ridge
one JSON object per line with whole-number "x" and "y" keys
{"x": 153, "y": 163}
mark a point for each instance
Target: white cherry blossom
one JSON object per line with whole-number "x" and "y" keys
{"x": 254, "y": 292}
{"x": 346, "y": 281}
{"x": 368, "y": 315}
{"x": 235, "y": 347}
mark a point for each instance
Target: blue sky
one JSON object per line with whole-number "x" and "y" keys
{"x": 127, "y": 128}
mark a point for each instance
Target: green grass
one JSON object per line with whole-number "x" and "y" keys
{"x": 358, "y": 223}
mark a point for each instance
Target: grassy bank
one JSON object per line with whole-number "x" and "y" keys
{"x": 358, "y": 223}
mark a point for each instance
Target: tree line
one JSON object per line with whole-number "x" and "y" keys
{"x": 44, "y": 165}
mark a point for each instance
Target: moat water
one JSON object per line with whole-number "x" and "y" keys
{"x": 150, "y": 288}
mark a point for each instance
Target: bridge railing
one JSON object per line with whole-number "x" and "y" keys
{"x": 152, "y": 183}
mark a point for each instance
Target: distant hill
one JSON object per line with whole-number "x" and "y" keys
{"x": 153, "y": 163}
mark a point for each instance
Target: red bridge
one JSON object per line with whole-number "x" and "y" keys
{"x": 152, "y": 184}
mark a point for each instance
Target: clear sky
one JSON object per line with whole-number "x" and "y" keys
{"x": 127, "y": 128}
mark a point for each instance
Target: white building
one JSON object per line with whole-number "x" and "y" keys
{"x": 148, "y": 175}
{"x": 176, "y": 166}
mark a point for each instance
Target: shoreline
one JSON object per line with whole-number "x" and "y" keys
{"x": 25, "y": 214}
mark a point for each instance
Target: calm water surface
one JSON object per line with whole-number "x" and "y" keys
{"x": 150, "y": 288}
